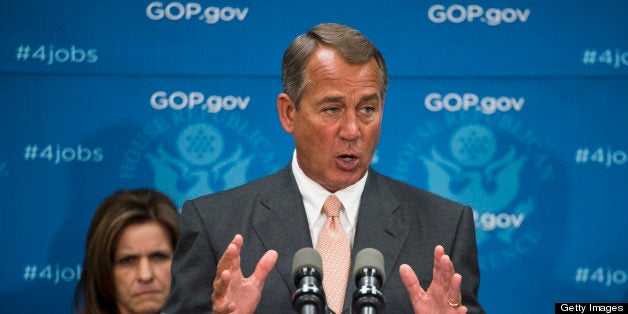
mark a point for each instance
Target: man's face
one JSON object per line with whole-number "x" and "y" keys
{"x": 338, "y": 123}
{"x": 142, "y": 268}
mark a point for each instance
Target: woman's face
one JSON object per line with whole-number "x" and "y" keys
{"x": 142, "y": 268}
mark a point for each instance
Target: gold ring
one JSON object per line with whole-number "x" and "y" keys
{"x": 454, "y": 304}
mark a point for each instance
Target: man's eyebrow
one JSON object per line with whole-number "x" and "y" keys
{"x": 328, "y": 99}
{"x": 373, "y": 96}
{"x": 341, "y": 99}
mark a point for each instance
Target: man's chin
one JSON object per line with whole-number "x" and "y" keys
{"x": 343, "y": 181}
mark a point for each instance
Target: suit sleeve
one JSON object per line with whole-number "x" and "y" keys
{"x": 193, "y": 266}
{"x": 464, "y": 255}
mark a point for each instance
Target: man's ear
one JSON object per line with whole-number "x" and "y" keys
{"x": 286, "y": 111}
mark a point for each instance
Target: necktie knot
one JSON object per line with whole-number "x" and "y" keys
{"x": 332, "y": 206}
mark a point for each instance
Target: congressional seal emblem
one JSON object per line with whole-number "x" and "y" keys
{"x": 189, "y": 155}
{"x": 490, "y": 163}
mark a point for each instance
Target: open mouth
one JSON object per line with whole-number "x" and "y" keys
{"x": 347, "y": 158}
{"x": 348, "y": 162}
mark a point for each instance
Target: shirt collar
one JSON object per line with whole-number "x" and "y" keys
{"x": 314, "y": 194}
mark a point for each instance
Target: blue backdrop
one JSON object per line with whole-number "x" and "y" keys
{"x": 517, "y": 108}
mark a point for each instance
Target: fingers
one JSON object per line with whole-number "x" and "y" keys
{"x": 453, "y": 294}
{"x": 264, "y": 267}
{"x": 439, "y": 252}
{"x": 221, "y": 303}
{"x": 229, "y": 261}
{"x": 238, "y": 240}
{"x": 447, "y": 278}
{"x": 231, "y": 257}
{"x": 446, "y": 271}
{"x": 411, "y": 282}
{"x": 443, "y": 268}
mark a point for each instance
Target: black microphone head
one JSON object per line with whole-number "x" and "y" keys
{"x": 307, "y": 273}
{"x": 307, "y": 257}
{"x": 369, "y": 258}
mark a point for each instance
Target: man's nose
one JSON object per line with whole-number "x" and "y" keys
{"x": 349, "y": 129}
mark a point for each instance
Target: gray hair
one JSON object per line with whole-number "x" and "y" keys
{"x": 352, "y": 45}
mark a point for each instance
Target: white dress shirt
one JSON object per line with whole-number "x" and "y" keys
{"x": 314, "y": 195}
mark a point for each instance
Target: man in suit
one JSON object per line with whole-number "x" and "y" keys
{"x": 334, "y": 82}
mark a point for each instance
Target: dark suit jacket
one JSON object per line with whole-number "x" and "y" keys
{"x": 401, "y": 221}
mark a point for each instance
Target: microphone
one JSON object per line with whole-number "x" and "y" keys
{"x": 369, "y": 277}
{"x": 307, "y": 273}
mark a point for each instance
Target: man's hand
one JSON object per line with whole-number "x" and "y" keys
{"x": 232, "y": 292}
{"x": 443, "y": 294}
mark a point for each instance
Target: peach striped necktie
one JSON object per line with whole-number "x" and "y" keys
{"x": 333, "y": 245}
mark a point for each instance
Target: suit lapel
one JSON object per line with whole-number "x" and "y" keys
{"x": 281, "y": 223}
{"x": 379, "y": 226}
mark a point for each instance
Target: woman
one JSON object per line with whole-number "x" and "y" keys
{"x": 128, "y": 253}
